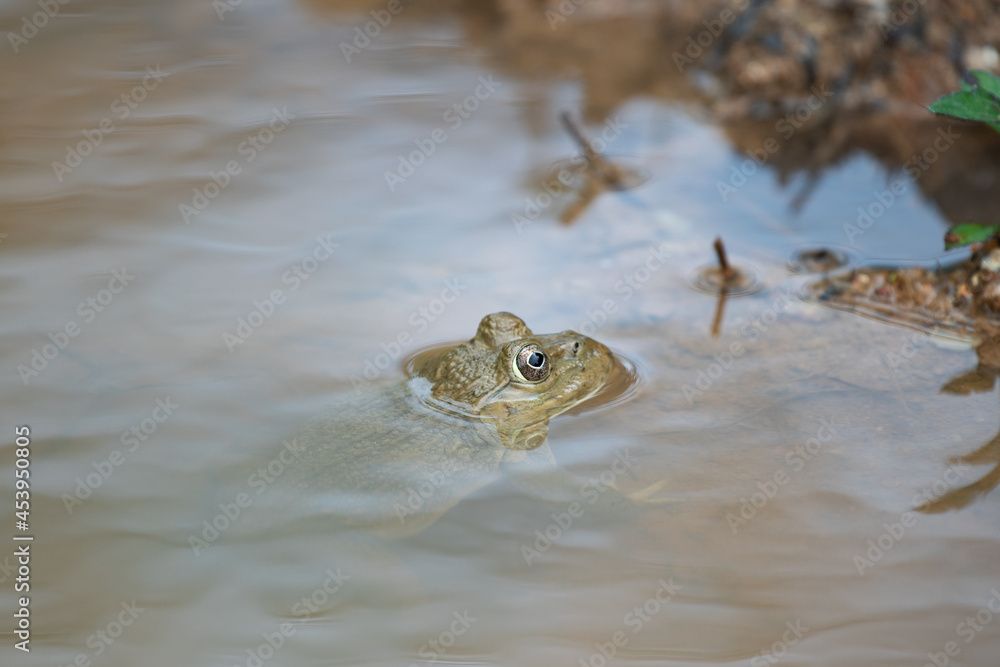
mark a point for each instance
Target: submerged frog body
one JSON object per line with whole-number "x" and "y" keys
{"x": 394, "y": 457}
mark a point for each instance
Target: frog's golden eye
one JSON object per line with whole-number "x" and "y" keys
{"x": 531, "y": 364}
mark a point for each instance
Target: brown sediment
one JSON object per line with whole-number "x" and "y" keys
{"x": 963, "y": 298}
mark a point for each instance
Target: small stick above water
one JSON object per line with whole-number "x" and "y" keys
{"x": 720, "y": 250}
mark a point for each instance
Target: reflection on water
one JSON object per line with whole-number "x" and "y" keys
{"x": 817, "y": 260}
{"x": 948, "y": 305}
{"x": 272, "y": 267}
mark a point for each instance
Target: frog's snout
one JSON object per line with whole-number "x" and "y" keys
{"x": 572, "y": 348}
{"x": 583, "y": 352}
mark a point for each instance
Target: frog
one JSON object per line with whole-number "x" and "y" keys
{"x": 393, "y": 457}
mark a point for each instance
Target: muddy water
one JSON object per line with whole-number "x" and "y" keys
{"x": 202, "y": 246}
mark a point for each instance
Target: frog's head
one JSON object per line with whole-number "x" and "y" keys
{"x": 519, "y": 380}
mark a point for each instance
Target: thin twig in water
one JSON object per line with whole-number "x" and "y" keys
{"x": 609, "y": 173}
{"x": 720, "y": 309}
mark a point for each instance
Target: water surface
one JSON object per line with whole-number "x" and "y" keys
{"x": 231, "y": 254}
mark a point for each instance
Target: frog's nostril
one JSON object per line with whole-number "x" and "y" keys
{"x": 576, "y": 347}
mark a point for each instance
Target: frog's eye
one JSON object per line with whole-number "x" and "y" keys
{"x": 531, "y": 364}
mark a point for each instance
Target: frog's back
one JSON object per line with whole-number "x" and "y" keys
{"x": 378, "y": 459}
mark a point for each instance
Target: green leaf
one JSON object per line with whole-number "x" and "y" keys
{"x": 979, "y": 78}
{"x": 977, "y": 104}
{"x": 968, "y": 232}
{"x": 986, "y": 83}
{"x": 978, "y": 100}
